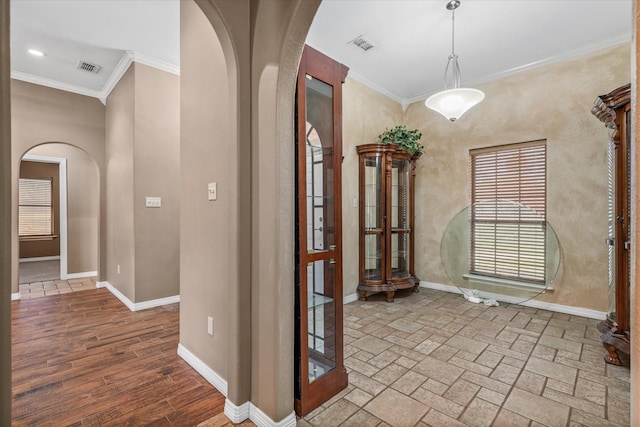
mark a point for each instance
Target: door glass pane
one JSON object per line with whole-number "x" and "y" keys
{"x": 399, "y": 255}
{"x": 373, "y": 257}
{"x": 319, "y": 166}
{"x": 400, "y": 193}
{"x": 611, "y": 153}
{"x": 400, "y": 236}
{"x": 373, "y": 193}
{"x": 322, "y": 318}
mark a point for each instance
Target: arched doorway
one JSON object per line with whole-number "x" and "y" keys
{"x": 76, "y": 210}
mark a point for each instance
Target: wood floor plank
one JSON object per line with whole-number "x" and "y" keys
{"x": 83, "y": 358}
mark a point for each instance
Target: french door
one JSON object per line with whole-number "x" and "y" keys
{"x": 319, "y": 367}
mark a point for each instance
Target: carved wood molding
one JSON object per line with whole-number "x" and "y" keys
{"x": 605, "y": 105}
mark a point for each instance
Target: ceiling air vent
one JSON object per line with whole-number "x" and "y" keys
{"x": 89, "y": 67}
{"x": 363, "y": 43}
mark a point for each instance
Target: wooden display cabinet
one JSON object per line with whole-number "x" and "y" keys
{"x": 386, "y": 215}
{"x": 614, "y": 110}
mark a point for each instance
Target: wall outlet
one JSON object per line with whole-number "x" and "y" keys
{"x": 118, "y": 269}
{"x": 213, "y": 191}
{"x": 210, "y": 325}
{"x": 354, "y": 202}
{"x": 153, "y": 202}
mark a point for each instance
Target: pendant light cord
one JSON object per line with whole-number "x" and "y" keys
{"x": 452, "y": 63}
{"x": 453, "y": 32}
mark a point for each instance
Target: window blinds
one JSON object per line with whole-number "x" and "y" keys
{"x": 508, "y": 215}
{"x": 35, "y": 207}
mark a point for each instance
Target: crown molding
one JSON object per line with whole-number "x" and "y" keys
{"x": 54, "y": 84}
{"x": 154, "y": 62}
{"x": 127, "y": 58}
{"x": 371, "y": 85}
{"x": 116, "y": 75}
{"x": 608, "y": 43}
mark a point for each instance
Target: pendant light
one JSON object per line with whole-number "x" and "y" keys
{"x": 453, "y": 103}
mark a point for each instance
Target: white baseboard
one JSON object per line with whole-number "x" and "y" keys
{"x": 236, "y": 414}
{"x": 156, "y": 302}
{"x": 261, "y": 419}
{"x": 41, "y": 258}
{"x": 209, "y": 374}
{"x": 15, "y": 297}
{"x": 137, "y": 306}
{"x": 82, "y": 275}
{"x": 126, "y": 301}
{"x": 559, "y": 308}
{"x": 350, "y": 298}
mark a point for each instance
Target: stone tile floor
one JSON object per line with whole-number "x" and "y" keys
{"x": 55, "y": 287}
{"x": 434, "y": 359}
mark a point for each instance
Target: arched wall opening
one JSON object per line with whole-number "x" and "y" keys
{"x": 262, "y": 43}
{"x": 41, "y": 114}
{"x": 78, "y": 211}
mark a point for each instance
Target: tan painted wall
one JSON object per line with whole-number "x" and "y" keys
{"x": 553, "y": 103}
{"x": 41, "y": 115}
{"x": 142, "y": 146}
{"x": 262, "y": 42}
{"x": 46, "y": 247}
{"x": 365, "y": 115}
{"x": 279, "y": 30}
{"x": 231, "y": 21}
{"x": 83, "y": 205}
{"x": 119, "y": 149}
{"x": 156, "y": 174}
{"x": 207, "y": 154}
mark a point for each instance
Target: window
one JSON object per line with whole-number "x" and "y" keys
{"x": 508, "y": 215}
{"x": 35, "y": 207}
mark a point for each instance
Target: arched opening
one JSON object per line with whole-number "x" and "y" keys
{"x": 72, "y": 242}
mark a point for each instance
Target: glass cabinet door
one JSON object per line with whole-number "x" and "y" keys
{"x": 320, "y": 220}
{"x": 400, "y": 231}
{"x": 611, "y": 235}
{"x": 319, "y": 367}
{"x": 373, "y": 217}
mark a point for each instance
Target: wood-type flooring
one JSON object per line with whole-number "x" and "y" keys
{"x": 84, "y": 359}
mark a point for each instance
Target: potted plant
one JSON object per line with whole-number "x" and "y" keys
{"x": 406, "y": 139}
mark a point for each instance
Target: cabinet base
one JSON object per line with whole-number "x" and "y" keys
{"x": 389, "y": 288}
{"x": 613, "y": 341}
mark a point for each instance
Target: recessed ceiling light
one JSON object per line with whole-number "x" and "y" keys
{"x": 36, "y": 52}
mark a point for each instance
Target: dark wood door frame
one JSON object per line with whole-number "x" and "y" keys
{"x": 309, "y": 395}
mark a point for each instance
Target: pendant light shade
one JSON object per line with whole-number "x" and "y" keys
{"x": 454, "y": 102}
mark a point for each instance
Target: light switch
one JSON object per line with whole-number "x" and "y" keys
{"x": 153, "y": 202}
{"x": 213, "y": 191}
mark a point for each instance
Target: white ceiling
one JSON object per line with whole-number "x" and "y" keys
{"x": 412, "y": 37}
{"x": 108, "y": 33}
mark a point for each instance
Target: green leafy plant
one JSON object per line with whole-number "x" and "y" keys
{"x": 406, "y": 139}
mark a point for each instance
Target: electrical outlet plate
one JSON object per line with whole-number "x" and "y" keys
{"x": 213, "y": 191}
{"x": 210, "y": 325}
{"x": 153, "y": 202}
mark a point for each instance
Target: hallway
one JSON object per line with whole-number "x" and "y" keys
{"x": 84, "y": 358}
